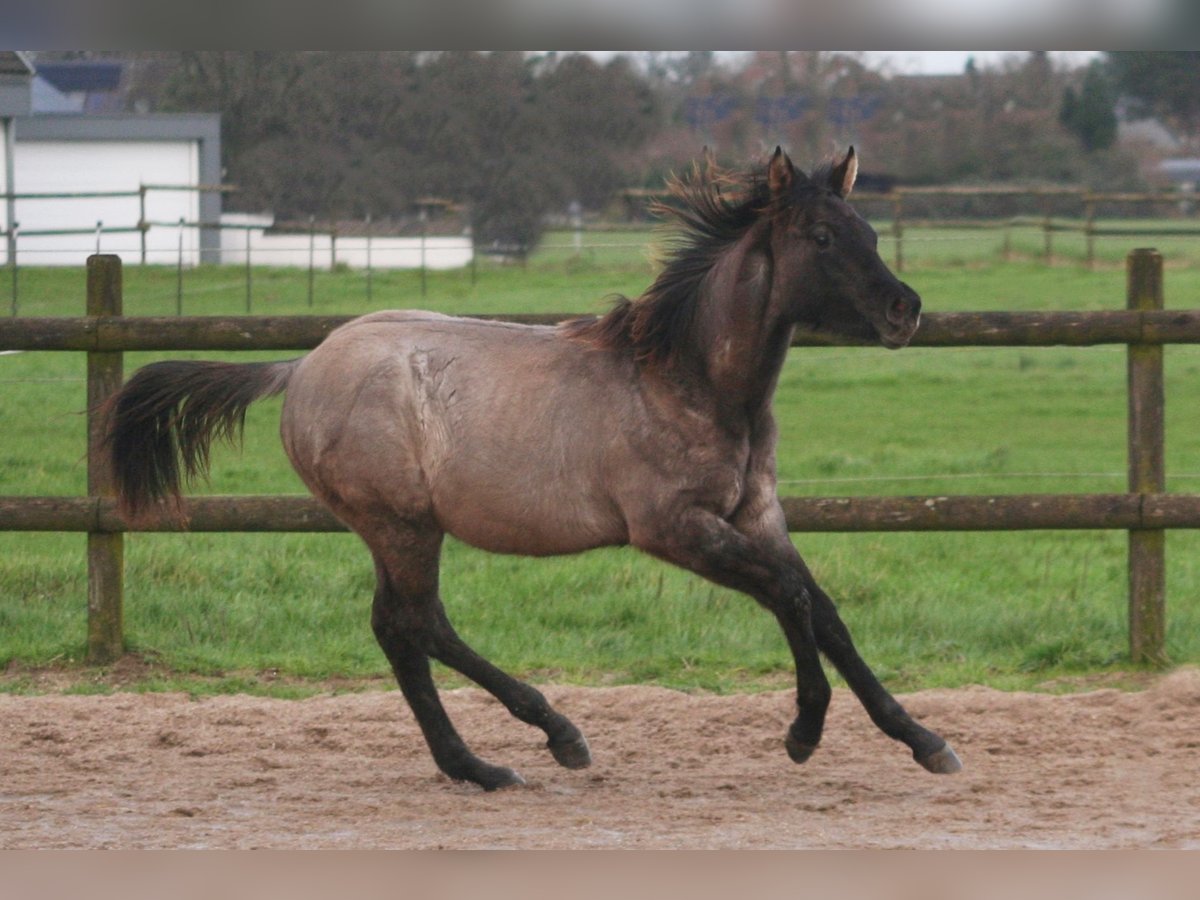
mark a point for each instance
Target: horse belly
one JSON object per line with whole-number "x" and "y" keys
{"x": 524, "y": 510}
{"x": 521, "y": 473}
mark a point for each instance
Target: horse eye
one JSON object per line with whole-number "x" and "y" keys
{"x": 822, "y": 237}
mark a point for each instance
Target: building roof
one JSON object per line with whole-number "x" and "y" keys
{"x": 14, "y": 62}
{"x": 83, "y": 76}
{"x": 78, "y": 86}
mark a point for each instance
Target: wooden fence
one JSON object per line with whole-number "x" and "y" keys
{"x": 1080, "y": 218}
{"x": 1045, "y": 222}
{"x": 1145, "y": 510}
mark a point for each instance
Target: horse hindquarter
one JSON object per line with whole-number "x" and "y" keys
{"x": 500, "y": 434}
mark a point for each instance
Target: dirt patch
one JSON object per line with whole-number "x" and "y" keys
{"x": 1101, "y": 769}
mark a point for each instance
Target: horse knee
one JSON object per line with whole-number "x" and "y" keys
{"x": 401, "y": 624}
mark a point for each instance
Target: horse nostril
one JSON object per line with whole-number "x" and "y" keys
{"x": 904, "y": 307}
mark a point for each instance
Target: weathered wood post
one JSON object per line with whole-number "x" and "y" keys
{"x": 179, "y": 273}
{"x": 1047, "y": 229}
{"x": 1089, "y": 231}
{"x": 1147, "y": 472}
{"x": 106, "y": 550}
{"x": 369, "y": 236}
{"x": 13, "y": 230}
{"x": 249, "y": 273}
{"x": 424, "y": 232}
{"x": 142, "y": 225}
{"x": 898, "y": 228}
{"x": 312, "y": 256}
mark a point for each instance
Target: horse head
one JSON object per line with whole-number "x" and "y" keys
{"x": 826, "y": 263}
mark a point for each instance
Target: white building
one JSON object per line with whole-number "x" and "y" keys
{"x": 77, "y": 181}
{"x": 79, "y": 178}
{"x": 249, "y": 233}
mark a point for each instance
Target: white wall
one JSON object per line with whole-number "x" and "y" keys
{"x": 77, "y": 165}
{"x": 296, "y": 249}
{"x": 406, "y": 253}
{"x": 66, "y": 166}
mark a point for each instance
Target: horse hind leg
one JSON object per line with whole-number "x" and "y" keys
{"x": 411, "y": 667}
{"x": 411, "y": 626}
{"x": 565, "y": 742}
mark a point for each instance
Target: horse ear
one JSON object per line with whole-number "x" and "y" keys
{"x": 841, "y": 179}
{"x": 781, "y": 174}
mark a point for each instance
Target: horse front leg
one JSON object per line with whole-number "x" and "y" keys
{"x": 928, "y": 748}
{"x": 833, "y": 639}
{"x": 703, "y": 543}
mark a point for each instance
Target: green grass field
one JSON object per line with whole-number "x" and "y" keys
{"x": 289, "y": 613}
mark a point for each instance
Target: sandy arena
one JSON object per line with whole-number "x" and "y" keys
{"x": 1102, "y": 769}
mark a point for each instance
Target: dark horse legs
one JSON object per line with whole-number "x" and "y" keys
{"x": 833, "y": 639}
{"x": 411, "y": 626}
{"x": 765, "y": 565}
{"x": 709, "y": 546}
{"x": 929, "y": 749}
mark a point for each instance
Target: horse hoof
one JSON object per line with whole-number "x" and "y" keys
{"x": 571, "y": 754}
{"x": 498, "y": 777}
{"x": 797, "y": 751}
{"x": 941, "y": 762}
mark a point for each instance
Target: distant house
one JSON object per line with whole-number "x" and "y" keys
{"x": 66, "y": 137}
{"x": 1182, "y": 172}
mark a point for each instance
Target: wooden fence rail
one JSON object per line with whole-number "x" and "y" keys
{"x": 1085, "y": 199}
{"x": 1049, "y": 225}
{"x": 1145, "y": 511}
{"x": 254, "y": 333}
{"x": 980, "y": 512}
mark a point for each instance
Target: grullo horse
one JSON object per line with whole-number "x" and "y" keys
{"x": 650, "y": 426}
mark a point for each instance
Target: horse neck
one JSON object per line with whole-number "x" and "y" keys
{"x": 742, "y": 336}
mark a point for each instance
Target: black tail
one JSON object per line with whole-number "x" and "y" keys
{"x": 165, "y": 418}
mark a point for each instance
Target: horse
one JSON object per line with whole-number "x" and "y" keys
{"x": 649, "y": 425}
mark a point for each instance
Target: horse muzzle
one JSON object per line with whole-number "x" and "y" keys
{"x": 901, "y": 318}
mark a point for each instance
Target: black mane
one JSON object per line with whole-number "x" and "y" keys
{"x": 712, "y": 209}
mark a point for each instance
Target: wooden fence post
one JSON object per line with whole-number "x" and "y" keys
{"x": 898, "y": 228}
{"x": 369, "y": 235}
{"x": 1047, "y": 230}
{"x": 142, "y": 224}
{"x": 249, "y": 274}
{"x": 312, "y": 256}
{"x": 1089, "y": 226}
{"x": 13, "y": 230}
{"x": 106, "y": 550}
{"x": 1147, "y": 472}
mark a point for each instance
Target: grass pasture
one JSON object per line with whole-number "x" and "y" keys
{"x": 284, "y": 613}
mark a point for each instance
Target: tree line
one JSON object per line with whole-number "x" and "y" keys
{"x": 512, "y": 136}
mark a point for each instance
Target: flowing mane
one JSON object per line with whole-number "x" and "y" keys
{"x": 712, "y": 209}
